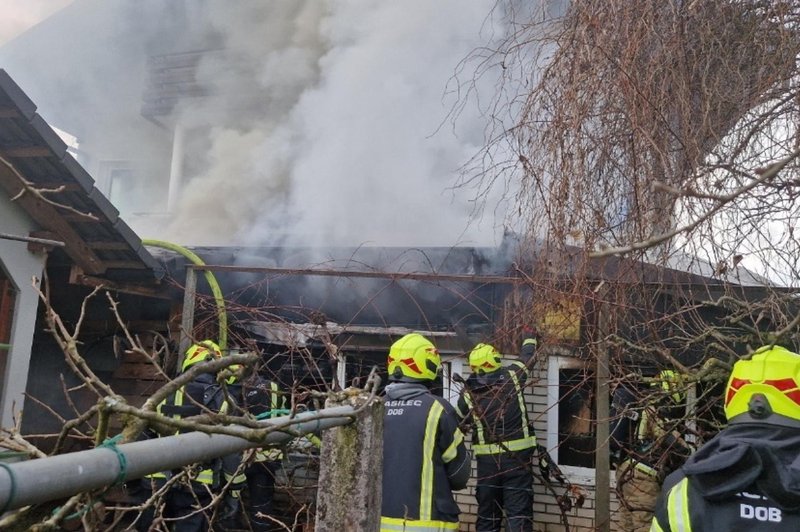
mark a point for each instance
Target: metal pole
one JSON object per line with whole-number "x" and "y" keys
{"x": 45, "y": 479}
{"x": 33, "y": 240}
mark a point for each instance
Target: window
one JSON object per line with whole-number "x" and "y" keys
{"x": 355, "y": 368}
{"x": 450, "y": 387}
{"x": 118, "y": 179}
{"x": 576, "y": 409}
{"x": 571, "y": 417}
{"x": 572, "y": 411}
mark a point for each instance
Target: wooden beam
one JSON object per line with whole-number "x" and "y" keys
{"x": 26, "y": 151}
{"x": 52, "y": 185}
{"x": 9, "y": 112}
{"x": 124, "y": 265}
{"x": 396, "y": 276}
{"x": 50, "y": 219}
{"x": 80, "y": 218}
{"x": 76, "y": 276}
{"x": 109, "y": 246}
{"x": 187, "y": 319}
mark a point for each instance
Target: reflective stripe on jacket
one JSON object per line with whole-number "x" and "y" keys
{"x": 391, "y": 524}
{"x": 683, "y": 509}
{"x": 264, "y": 405}
{"x": 497, "y": 405}
{"x": 188, "y": 401}
{"x": 423, "y": 452}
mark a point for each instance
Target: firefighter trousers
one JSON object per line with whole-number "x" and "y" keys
{"x": 261, "y": 491}
{"x": 505, "y": 487}
{"x": 638, "y": 491}
{"x": 181, "y": 505}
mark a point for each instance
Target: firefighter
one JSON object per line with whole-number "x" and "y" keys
{"x": 503, "y": 440}
{"x": 262, "y": 399}
{"x": 646, "y": 444}
{"x": 748, "y": 476}
{"x": 185, "y": 500}
{"x": 424, "y": 456}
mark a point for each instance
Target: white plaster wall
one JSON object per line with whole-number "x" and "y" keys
{"x": 21, "y": 266}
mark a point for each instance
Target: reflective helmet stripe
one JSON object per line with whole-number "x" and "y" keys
{"x": 787, "y": 386}
{"x": 415, "y": 357}
{"x": 409, "y": 362}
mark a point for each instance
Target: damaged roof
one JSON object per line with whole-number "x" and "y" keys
{"x": 60, "y": 196}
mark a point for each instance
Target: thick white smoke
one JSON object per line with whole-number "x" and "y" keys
{"x": 326, "y": 120}
{"x": 350, "y": 150}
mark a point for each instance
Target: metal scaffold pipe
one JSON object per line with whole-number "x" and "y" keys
{"x": 46, "y": 479}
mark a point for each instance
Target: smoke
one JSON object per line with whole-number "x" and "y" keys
{"x": 347, "y": 148}
{"x": 321, "y": 122}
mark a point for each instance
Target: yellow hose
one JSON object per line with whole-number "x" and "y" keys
{"x": 222, "y": 315}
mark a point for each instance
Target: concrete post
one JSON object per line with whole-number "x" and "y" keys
{"x": 351, "y": 463}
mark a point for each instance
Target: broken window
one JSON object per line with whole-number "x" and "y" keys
{"x": 571, "y": 415}
{"x": 576, "y": 414}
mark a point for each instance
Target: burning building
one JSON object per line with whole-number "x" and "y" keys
{"x": 277, "y": 163}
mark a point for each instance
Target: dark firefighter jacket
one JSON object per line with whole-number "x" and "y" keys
{"x": 203, "y": 395}
{"x": 648, "y": 436}
{"x": 746, "y": 478}
{"x": 263, "y": 399}
{"x": 424, "y": 460}
{"x": 497, "y": 405}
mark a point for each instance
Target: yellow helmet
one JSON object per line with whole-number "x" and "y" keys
{"x": 484, "y": 358}
{"x": 413, "y": 357}
{"x": 671, "y": 383}
{"x": 201, "y": 352}
{"x": 765, "y": 388}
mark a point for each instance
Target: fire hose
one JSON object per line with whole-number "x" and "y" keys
{"x": 222, "y": 315}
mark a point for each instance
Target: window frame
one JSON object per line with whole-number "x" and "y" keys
{"x": 584, "y": 476}
{"x": 108, "y": 169}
